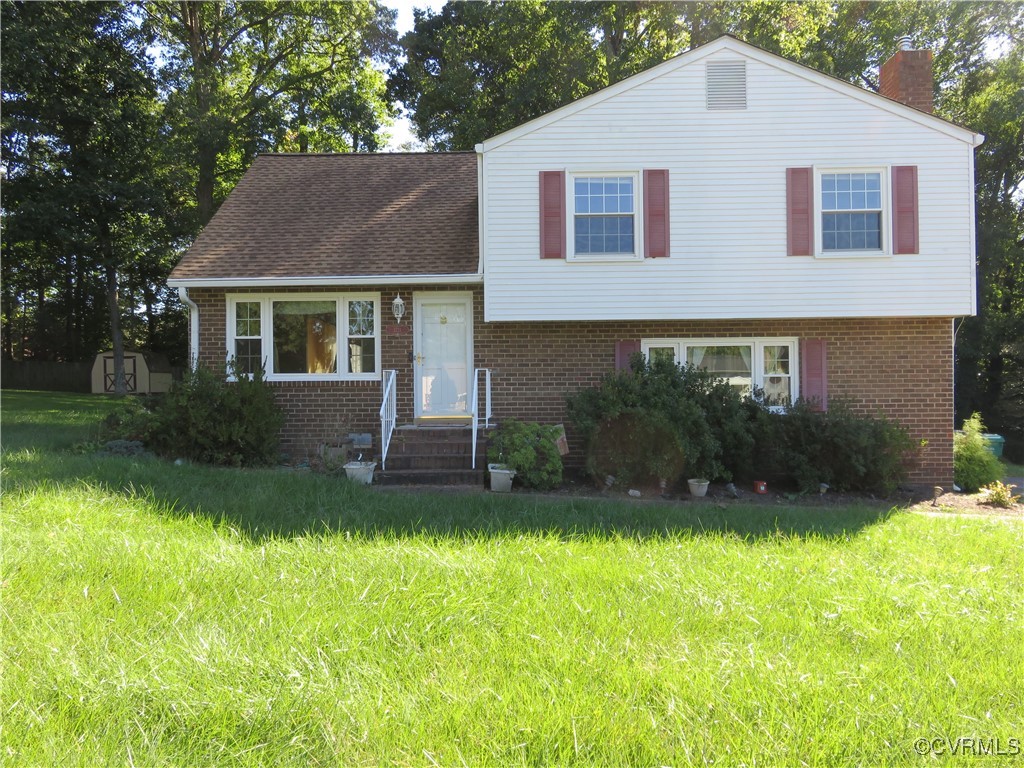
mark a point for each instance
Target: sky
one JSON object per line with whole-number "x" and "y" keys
{"x": 401, "y": 131}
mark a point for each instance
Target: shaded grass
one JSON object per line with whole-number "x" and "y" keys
{"x": 162, "y": 615}
{"x": 51, "y": 420}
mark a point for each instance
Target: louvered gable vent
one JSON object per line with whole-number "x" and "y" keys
{"x": 726, "y": 84}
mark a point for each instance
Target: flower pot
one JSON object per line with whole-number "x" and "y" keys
{"x": 698, "y": 486}
{"x": 360, "y": 471}
{"x": 501, "y": 477}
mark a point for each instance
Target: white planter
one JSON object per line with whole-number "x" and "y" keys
{"x": 501, "y": 478}
{"x": 698, "y": 487}
{"x": 360, "y": 471}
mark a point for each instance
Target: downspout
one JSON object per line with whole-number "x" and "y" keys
{"x": 193, "y": 327}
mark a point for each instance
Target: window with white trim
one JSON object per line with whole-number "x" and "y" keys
{"x": 852, "y": 210}
{"x": 247, "y": 347}
{"x": 306, "y": 337}
{"x": 765, "y": 363}
{"x": 604, "y": 221}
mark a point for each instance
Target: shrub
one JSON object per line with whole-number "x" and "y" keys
{"x": 207, "y": 419}
{"x": 847, "y": 451}
{"x": 133, "y": 419}
{"x": 974, "y": 465}
{"x": 659, "y": 418}
{"x": 531, "y": 450}
{"x": 998, "y": 494}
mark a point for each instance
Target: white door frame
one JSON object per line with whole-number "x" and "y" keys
{"x": 448, "y": 297}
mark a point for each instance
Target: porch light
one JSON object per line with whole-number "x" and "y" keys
{"x": 398, "y": 308}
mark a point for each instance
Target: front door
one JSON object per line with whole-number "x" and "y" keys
{"x": 443, "y": 350}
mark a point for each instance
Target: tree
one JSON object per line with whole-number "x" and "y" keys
{"x": 82, "y": 199}
{"x": 990, "y": 346}
{"x": 474, "y": 70}
{"x": 244, "y": 77}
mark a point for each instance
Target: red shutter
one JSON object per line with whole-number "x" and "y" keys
{"x": 814, "y": 373}
{"x": 624, "y": 350}
{"x": 799, "y": 211}
{"x": 904, "y": 209}
{"x": 656, "y": 214}
{"x": 552, "y": 214}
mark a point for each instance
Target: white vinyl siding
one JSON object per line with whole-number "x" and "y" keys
{"x": 728, "y": 206}
{"x": 305, "y": 337}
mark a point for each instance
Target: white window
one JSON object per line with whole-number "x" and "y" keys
{"x": 298, "y": 337}
{"x": 767, "y": 363}
{"x": 851, "y": 210}
{"x": 604, "y": 223}
{"x": 247, "y": 346}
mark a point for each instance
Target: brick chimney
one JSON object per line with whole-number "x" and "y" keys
{"x": 907, "y": 77}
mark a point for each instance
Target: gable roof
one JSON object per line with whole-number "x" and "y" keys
{"x": 735, "y": 45}
{"x": 312, "y": 219}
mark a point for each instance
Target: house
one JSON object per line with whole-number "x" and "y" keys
{"x": 727, "y": 208}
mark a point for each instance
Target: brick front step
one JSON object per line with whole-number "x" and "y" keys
{"x": 429, "y": 477}
{"x": 434, "y": 456}
{"x": 439, "y": 461}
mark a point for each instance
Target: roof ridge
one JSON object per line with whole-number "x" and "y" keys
{"x": 365, "y": 154}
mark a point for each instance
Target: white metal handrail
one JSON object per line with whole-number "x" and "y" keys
{"x": 388, "y": 415}
{"x": 474, "y": 405}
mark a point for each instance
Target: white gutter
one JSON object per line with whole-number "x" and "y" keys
{"x": 270, "y": 282}
{"x": 193, "y": 326}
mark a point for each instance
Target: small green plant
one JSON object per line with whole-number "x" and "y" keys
{"x": 974, "y": 466}
{"x": 998, "y": 494}
{"x": 531, "y": 450}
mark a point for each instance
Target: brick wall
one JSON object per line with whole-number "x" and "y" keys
{"x": 902, "y": 367}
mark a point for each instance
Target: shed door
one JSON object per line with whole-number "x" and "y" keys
{"x": 108, "y": 373}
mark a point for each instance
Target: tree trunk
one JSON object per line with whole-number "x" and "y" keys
{"x": 113, "y": 310}
{"x": 150, "y": 299}
{"x": 203, "y": 75}
{"x": 301, "y": 120}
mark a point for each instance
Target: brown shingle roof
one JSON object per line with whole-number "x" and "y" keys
{"x": 338, "y": 215}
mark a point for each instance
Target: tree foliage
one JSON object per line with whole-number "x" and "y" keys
{"x": 125, "y": 124}
{"x": 82, "y": 198}
{"x": 248, "y": 77}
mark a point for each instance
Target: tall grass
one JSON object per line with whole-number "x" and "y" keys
{"x": 163, "y": 615}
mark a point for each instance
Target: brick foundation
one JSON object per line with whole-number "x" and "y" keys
{"x": 902, "y": 367}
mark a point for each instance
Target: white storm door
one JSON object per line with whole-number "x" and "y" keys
{"x": 443, "y": 350}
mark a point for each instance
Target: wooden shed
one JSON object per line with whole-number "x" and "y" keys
{"x": 144, "y": 372}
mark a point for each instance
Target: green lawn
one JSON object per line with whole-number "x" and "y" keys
{"x": 171, "y": 615}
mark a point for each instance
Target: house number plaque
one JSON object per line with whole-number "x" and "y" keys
{"x": 444, "y": 320}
